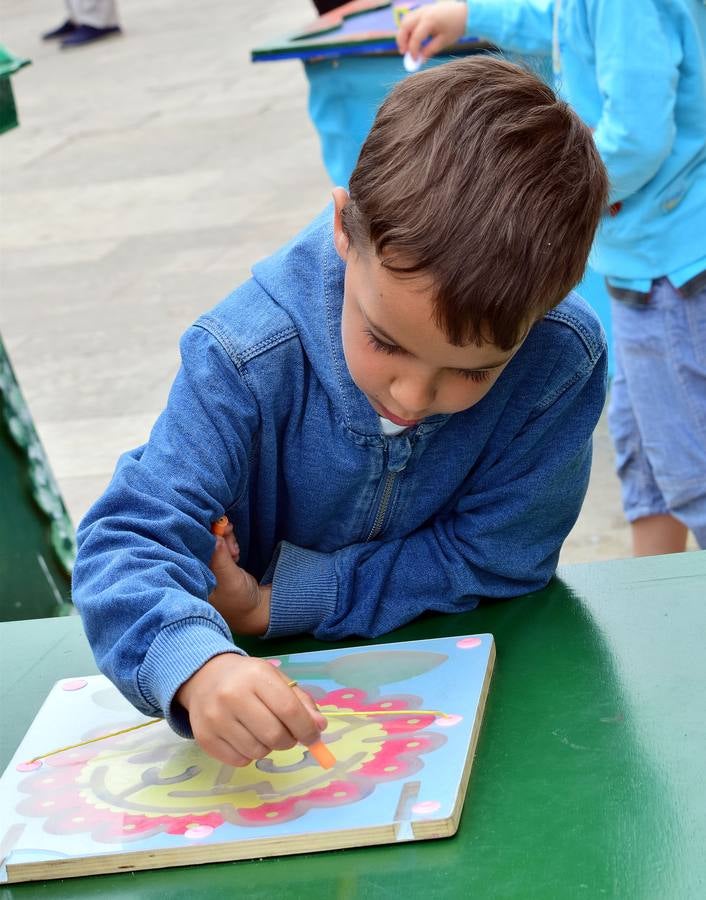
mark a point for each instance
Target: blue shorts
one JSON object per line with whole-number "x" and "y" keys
{"x": 657, "y": 411}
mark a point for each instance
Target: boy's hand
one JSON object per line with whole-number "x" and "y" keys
{"x": 441, "y": 24}
{"x": 243, "y": 603}
{"x": 242, "y": 708}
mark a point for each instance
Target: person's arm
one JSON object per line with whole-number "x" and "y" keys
{"x": 523, "y": 26}
{"x": 142, "y": 578}
{"x": 637, "y": 79}
{"x": 520, "y": 26}
{"x": 502, "y": 539}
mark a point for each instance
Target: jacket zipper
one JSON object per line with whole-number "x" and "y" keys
{"x": 384, "y": 503}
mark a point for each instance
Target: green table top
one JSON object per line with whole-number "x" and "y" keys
{"x": 589, "y": 774}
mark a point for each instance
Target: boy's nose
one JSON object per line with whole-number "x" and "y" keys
{"x": 413, "y": 396}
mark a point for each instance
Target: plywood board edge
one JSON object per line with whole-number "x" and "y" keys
{"x": 424, "y": 830}
{"x": 204, "y": 853}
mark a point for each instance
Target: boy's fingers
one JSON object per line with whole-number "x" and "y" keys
{"x": 287, "y": 706}
{"x": 405, "y": 30}
{"x": 221, "y": 561}
{"x": 233, "y": 547}
{"x": 231, "y": 581}
{"x": 221, "y": 750}
{"x": 435, "y": 45}
{"x": 266, "y": 728}
{"x": 313, "y": 709}
{"x": 243, "y": 741}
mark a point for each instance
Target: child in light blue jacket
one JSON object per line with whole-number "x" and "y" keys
{"x": 636, "y": 74}
{"x": 395, "y": 412}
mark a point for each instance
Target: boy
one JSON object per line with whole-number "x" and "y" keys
{"x": 637, "y": 75}
{"x": 392, "y": 412}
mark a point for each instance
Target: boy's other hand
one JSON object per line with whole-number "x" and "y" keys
{"x": 243, "y": 603}
{"x": 441, "y": 24}
{"x": 241, "y": 708}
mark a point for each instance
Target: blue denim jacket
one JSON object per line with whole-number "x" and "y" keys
{"x": 358, "y": 532}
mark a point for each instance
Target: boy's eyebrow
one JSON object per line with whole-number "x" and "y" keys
{"x": 383, "y": 334}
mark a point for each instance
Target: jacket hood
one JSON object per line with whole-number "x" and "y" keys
{"x": 305, "y": 278}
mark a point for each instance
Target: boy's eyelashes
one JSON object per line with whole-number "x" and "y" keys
{"x": 377, "y": 344}
{"x": 476, "y": 375}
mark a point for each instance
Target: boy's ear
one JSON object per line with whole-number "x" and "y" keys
{"x": 340, "y": 239}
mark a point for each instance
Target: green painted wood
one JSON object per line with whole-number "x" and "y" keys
{"x": 36, "y": 534}
{"x": 588, "y": 780}
{"x": 9, "y": 64}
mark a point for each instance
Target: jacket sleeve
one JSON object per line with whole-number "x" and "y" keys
{"x": 637, "y": 78}
{"x": 141, "y": 579}
{"x": 521, "y": 26}
{"x": 502, "y": 539}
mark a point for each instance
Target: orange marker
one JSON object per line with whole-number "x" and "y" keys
{"x": 322, "y": 755}
{"x": 219, "y": 526}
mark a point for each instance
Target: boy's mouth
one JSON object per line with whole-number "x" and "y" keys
{"x": 386, "y": 414}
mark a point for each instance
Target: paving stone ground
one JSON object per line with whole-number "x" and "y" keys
{"x": 149, "y": 172}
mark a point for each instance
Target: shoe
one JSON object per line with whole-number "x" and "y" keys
{"x": 61, "y": 32}
{"x": 87, "y": 34}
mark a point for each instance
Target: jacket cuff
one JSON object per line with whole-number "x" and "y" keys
{"x": 304, "y": 590}
{"x": 175, "y": 654}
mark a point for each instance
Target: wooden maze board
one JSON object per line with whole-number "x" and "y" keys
{"x": 149, "y": 799}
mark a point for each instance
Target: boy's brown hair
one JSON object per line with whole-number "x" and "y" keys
{"x": 476, "y": 174}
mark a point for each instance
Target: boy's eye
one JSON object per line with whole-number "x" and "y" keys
{"x": 377, "y": 344}
{"x": 477, "y": 376}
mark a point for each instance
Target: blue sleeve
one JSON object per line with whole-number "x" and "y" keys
{"x": 637, "y": 78}
{"x": 141, "y": 579}
{"x": 522, "y": 26}
{"x": 502, "y": 539}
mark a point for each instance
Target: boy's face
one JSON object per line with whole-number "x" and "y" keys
{"x": 396, "y": 354}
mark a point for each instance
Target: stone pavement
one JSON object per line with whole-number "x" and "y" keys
{"x": 148, "y": 173}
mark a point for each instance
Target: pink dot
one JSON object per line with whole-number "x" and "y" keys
{"x": 195, "y": 832}
{"x": 275, "y": 662}
{"x": 469, "y": 643}
{"x": 74, "y": 684}
{"x": 28, "y": 766}
{"x": 448, "y": 721}
{"x": 425, "y": 807}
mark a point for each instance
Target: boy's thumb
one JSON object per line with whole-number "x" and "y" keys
{"x": 222, "y": 564}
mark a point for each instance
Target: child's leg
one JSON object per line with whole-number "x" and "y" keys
{"x": 653, "y": 535}
{"x": 658, "y": 416}
{"x": 643, "y": 503}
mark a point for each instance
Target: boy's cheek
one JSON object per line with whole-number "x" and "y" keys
{"x": 468, "y": 396}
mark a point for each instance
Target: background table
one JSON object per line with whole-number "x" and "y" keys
{"x": 589, "y": 775}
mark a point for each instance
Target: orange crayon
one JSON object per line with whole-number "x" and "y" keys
{"x": 322, "y": 755}
{"x": 219, "y": 526}
{"x": 318, "y": 749}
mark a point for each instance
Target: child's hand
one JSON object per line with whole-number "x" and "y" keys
{"x": 243, "y": 603}
{"x": 441, "y": 24}
{"x": 242, "y": 708}
{"x": 227, "y": 532}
